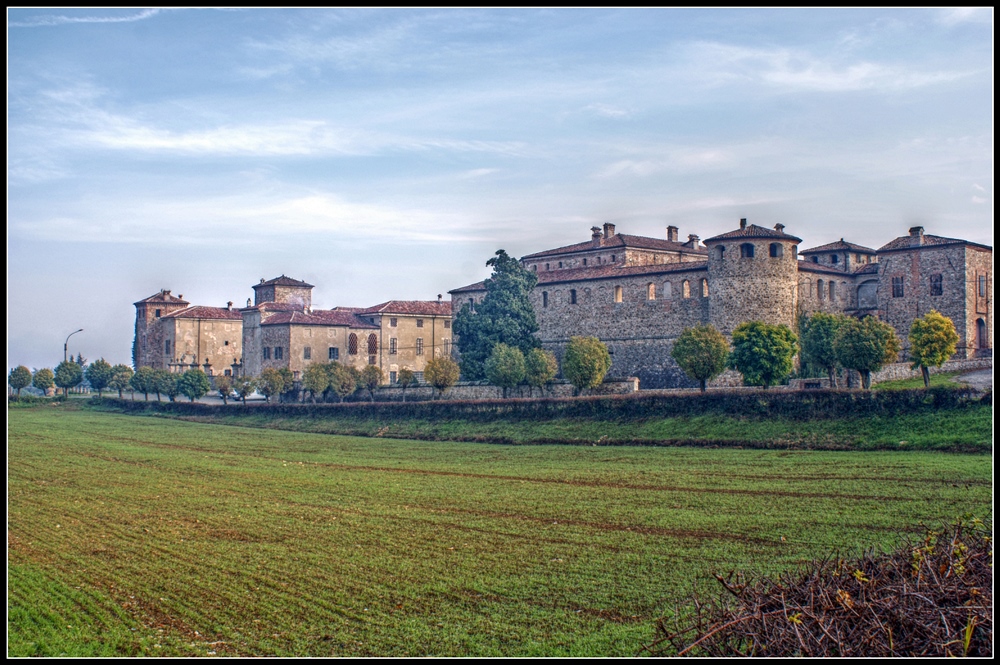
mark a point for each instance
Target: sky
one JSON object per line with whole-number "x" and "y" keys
{"x": 388, "y": 153}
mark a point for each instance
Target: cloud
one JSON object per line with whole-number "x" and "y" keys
{"x": 49, "y": 20}
{"x": 978, "y": 199}
{"x": 607, "y": 111}
{"x": 958, "y": 15}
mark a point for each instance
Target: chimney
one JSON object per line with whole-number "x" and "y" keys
{"x": 595, "y": 235}
{"x": 916, "y": 236}
{"x": 261, "y": 280}
{"x": 672, "y": 233}
{"x": 229, "y": 305}
{"x": 743, "y": 222}
{"x": 780, "y": 228}
{"x": 181, "y": 296}
{"x": 248, "y": 302}
{"x": 609, "y": 229}
{"x": 692, "y": 241}
{"x": 439, "y": 297}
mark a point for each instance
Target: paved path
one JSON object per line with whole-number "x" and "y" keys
{"x": 981, "y": 380}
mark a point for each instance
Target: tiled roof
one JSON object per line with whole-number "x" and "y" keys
{"x": 903, "y": 242}
{"x": 318, "y": 317}
{"x": 809, "y": 266}
{"x": 867, "y": 269}
{"x": 282, "y": 281}
{"x": 162, "y": 297}
{"x": 202, "y": 312}
{"x": 478, "y": 286}
{"x": 754, "y": 231}
{"x": 611, "y": 271}
{"x": 424, "y": 307}
{"x": 622, "y": 240}
{"x": 274, "y": 307}
{"x": 840, "y": 245}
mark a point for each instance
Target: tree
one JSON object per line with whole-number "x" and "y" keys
{"x": 194, "y": 384}
{"x": 540, "y": 367}
{"x": 371, "y": 377}
{"x": 504, "y": 316}
{"x": 343, "y": 381}
{"x": 161, "y": 382}
{"x": 68, "y": 375}
{"x": 442, "y": 373}
{"x": 289, "y": 384}
{"x": 763, "y": 353}
{"x": 244, "y": 387}
{"x": 505, "y": 367}
{"x": 224, "y": 385}
{"x": 20, "y": 377}
{"x": 932, "y": 341}
{"x": 270, "y": 383}
{"x": 120, "y": 377}
{"x": 818, "y": 333}
{"x": 99, "y": 375}
{"x": 316, "y": 379}
{"x": 171, "y": 385}
{"x": 43, "y": 379}
{"x": 405, "y": 378}
{"x": 701, "y": 352}
{"x": 585, "y": 362}
{"x": 143, "y": 380}
{"x": 866, "y": 346}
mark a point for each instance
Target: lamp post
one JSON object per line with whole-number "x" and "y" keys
{"x": 66, "y": 344}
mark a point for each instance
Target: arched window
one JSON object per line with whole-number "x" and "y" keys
{"x": 372, "y": 344}
{"x": 833, "y": 291}
{"x": 777, "y": 251}
{"x": 704, "y": 288}
{"x": 572, "y": 296}
{"x": 685, "y": 289}
{"x": 352, "y": 345}
{"x": 668, "y": 291}
{"x": 618, "y": 294}
{"x": 820, "y": 292}
{"x": 746, "y": 250}
{"x": 545, "y": 298}
{"x": 982, "y": 341}
{"x": 651, "y": 291}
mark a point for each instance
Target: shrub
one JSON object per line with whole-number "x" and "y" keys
{"x": 932, "y": 341}
{"x": 763, "y": 353}
{"x": 442, "y": 373}
{"x": 505, "y": 367}
{"x": 866, "y": 346}
{"x": 586, "y": 362}
{"x": 701, "y": 352}
{"x": 19, "y": 377}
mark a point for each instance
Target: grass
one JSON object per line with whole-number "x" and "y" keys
{"x": 937, "y": 380}
{"x": 150, "y": 536}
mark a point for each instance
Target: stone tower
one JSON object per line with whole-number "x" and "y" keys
{"x": 284, "y": 290}
{"x": 752, "y": 276}
{"x": 147, "y": 347}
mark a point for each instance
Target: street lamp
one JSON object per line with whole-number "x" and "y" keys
{"x": 66, "y": 344}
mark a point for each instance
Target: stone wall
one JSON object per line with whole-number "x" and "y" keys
{"x": 758, "y": 288}
{"x": 904, "y": 371}
{"x": 978, "y": 307}
{"x": 195, "y": 341}
{"x": 473, "y": 391}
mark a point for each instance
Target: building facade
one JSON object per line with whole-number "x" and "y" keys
{"x": 637, "y": 294}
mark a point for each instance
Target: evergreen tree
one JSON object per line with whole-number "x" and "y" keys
{"x": 701, "y": 353}
{"x": 763, "y": 353}
{"x": 504, "y": 316}
{"x": 194, "y": 384}
{"x": 866, "y": 346}
{"x": 68, "y": 375}
{"x": 143, "y": 380}
{"x": 99, "y": 375}
{"x": 120, "y": 377}
{"x": 818, "y": 333}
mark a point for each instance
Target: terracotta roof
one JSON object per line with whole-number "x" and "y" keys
{"x": 274, "y": 307}
{"x": 903, "y": 242}
{"x": 754, "y": 231}
{"x": 425, "y": 307}
{"x": 282, "y": 281}
{"x": 809, "y": 266}
{"x": 612, "y": 271}
{"x": 478, "y": 286}
{"x": 162, "y": 297}
{"x": 622, "y": 240}
{"x": 867, "y": 269}
{"x": 318, "y": 317}
{"x": 202, "y": 312}
{"x": 840, "y": 245}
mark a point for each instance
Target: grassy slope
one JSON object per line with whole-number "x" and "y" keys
{"x": 153, "y": 536}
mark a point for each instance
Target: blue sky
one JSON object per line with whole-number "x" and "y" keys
{"x": 386, "y": 154}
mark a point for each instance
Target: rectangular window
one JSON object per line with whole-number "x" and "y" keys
{"x": 447, "y": 324}
{"x": 278, "y": 353}
{"x": 446, "y": 345}
{"x": 228, "y": 372}
{"x": 982, "y": 286}
{"x": 545, "y": 298}
{"x": 897, "y": 287}
{"x": 420, "y": 346}
{"x": 333, "y": 353}
{"x": 307, "y": 353}
{"x": 418, "y": 377}
{"x": 393, "y": 322}
{"x": 420, "y": 323}
{"x": 585, "y": 262}
{"x": 226, "y": 343}
{"x": 267, "y": 353}
{"x": 392, "y": 377}
{"x": 392, "y": 346}
{"x": 936, "y": 285}
{"x": 157, "y": 313}
{"x": 572, "y": 296}
{"x": 166, "y": 347}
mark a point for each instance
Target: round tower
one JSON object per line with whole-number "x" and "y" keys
{"x": 752, "y": 276}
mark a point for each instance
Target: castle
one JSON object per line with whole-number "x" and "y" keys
{"x": 282, "y": 330}
{"x": 637, "y": 294}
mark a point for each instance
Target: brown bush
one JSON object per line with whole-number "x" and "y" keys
{"x": 928, "y": 598}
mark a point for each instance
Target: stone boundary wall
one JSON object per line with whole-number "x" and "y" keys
{"x": 475, "y": 391}
{"x": 903, "y": 370}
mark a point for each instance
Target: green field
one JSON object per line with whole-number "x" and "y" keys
{"x": 149, "y": 536}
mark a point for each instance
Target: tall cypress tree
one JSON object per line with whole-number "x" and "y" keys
{"x": 504, "y": 316}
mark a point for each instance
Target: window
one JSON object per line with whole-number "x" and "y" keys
{"x": 612, "y": 258}
{"x": 166, "y": 347}
{"x": 982, "y": 287}
{"x": 157, "y": 313}
{"x": 279, "y": 353}
{"x": 534, "y": 268}
{"x": 393, "y": 322}
{"x": 392, "y": 346}
{"x": 572, "y": 296}
{"x": 447, "y": 324}
{"x": 352, "y": 345}
{"x": 307, "y": 353}
{"x": 833, "y": 292}
{"x": 472, "y": 304}
{"x": 228, "y": 372}
{"x": 685, "y": 289}
{"x": 545, "y": 298}
{"x": 546, "y": 266}
{"x": 777, "y": 251}
{"x": 834, "y": 259}
{"x": 746, "y": 250}
{"x": 815, "y": 259}
{"x": 372, "y": 344}
{"x": 333, "y": 353}
{"x": 226, "y": 343}
{"x": 936, "y": 286}
{"x": 446, "y": 345}
{"x": 820, "y": 292}
{"x": 897, "y": 287}
{"x": 392, "y": 377}
{"x": 668, "y": 290}
{"x": 651, "y": 291}
{"x": 704, "y": 288}
{"x": 420, "y": 346}
{"x": 420, "y": 323}
{"x": 618, "y": 294}
{"x": 371, "y": 360}
{"x": 721, "y": 252}
{"x": 560, "y": 264}
{"x": 418, "y": 377}
{"x": 267, "y": 353}
{"x": 981, "y": 341}
{"x": 585, "y": 262}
